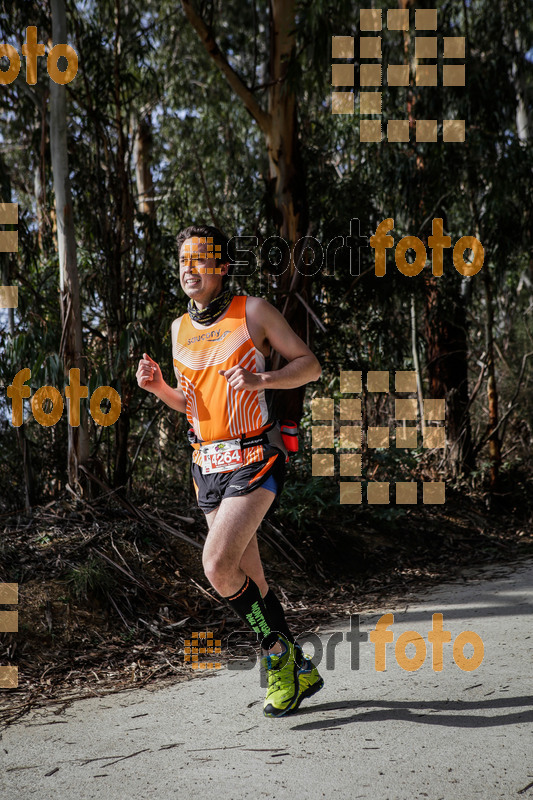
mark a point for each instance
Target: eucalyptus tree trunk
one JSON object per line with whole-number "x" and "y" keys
{"x": 445, "y": 323}
{"x": 142, "y": 155}
{"x": 416, "y": 361}
{"x": 523, "y": 121}
{"x": 495, "y": 455}
{"x": 7, "y": 279}
{"x": 71, "y": 348}
{"x": 121, "y": 266}
{"x": 279, "y": 122}
{"x": 447, "y": 369}
{"x": 281, "y": 133}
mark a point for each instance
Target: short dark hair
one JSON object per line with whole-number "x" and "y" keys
{"x": 208, "y": 231}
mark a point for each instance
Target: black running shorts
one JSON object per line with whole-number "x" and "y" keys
{"x": 213, "y": 488}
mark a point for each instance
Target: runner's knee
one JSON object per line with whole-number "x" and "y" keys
{"x": 218, "y": 568}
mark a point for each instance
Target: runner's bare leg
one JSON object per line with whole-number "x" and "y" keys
{"x": 250, "y": 562}
{"x": 230, "y": 532}
{"x": 231, "y": 551}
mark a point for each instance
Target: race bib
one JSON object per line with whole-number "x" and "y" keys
{"x": 221, "y": 456}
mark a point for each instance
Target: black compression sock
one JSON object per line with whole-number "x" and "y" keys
{"x": 276, "y": 615}
{"x": 250, "y": 607}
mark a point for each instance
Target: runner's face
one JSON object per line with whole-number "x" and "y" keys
{"x": 200, "y": 278}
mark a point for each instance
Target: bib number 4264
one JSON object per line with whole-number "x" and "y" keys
{"x": 222, "y": 457}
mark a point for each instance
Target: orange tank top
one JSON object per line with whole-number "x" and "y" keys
{"x": 214, "y": 409}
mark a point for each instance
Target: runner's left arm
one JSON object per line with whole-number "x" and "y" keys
{"x": 302, "y": 367}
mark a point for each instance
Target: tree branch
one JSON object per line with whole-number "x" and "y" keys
{"x": 510, "y": 407}
{"x": 235, "y": 81}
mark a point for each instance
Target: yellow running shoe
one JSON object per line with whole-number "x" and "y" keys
{"x": 282, "y": 675}
{"x": 309, "y": 679}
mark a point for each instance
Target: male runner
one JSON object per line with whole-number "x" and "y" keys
{"x": 220, "y": 350}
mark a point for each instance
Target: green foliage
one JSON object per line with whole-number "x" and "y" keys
{"x": 208, "y": 162}
{"x": 388, "y": 517}
{"x": 302, "y": 501}
{"x": 91, "y": 580}
{"x": 129, "y": 636}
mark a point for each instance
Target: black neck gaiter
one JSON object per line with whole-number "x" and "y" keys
{"x": 215, "y": 309}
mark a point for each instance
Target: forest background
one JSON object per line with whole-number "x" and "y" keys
{"x": 221, "y": 112}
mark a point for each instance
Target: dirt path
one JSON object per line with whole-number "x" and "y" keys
{"x": 378, "y": 735}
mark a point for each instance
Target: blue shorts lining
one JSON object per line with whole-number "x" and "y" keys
{"x": 271, "y": 484}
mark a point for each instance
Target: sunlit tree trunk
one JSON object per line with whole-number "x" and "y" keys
{"x": 495, "y": 455}
{"x": 71, "y": 340}
{"x": 142, "y": 155}
{"x": 121, "y": 266}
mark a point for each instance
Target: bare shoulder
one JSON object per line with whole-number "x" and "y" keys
{"x": 256, "y": 304}
{"x": 174, "y": 328}
{"x": 176, "y": 323}
{"x": 263, "y": 316}
{"x": 261, "y": 310}
{"x": 269, "y": 329}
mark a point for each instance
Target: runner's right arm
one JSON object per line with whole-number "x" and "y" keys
{"x": 150, "y": 378}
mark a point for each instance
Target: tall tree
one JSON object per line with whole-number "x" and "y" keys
{"x": 71, "y": 347}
